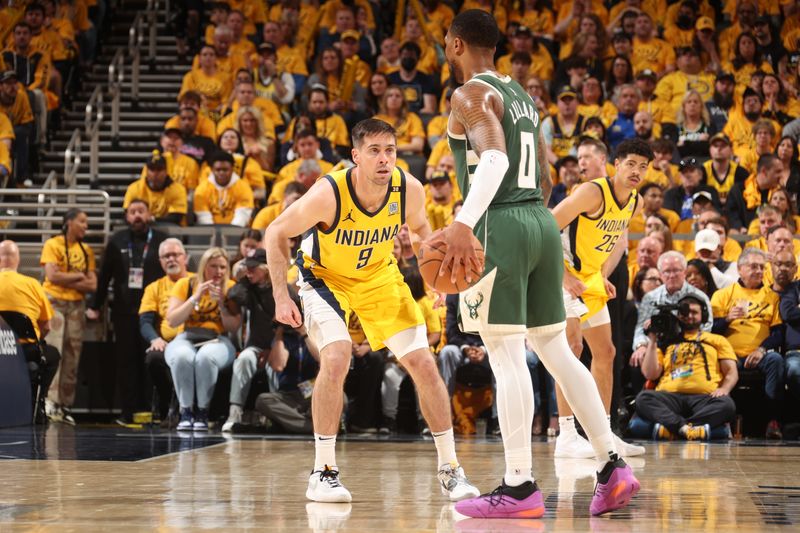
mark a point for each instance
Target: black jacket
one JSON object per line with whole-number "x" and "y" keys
{"x": 673, "y": 198}
{"x": 115, "y": 264}
{"x": 260, "y": 308}
{"x": 736, "y": 207}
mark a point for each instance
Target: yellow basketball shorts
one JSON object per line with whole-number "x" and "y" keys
{"x": 383, "y": 304}
{"x": 591, "y": 306}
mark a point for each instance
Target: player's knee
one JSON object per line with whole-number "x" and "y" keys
{"x": 335, "y": 361}
{"x": 420, "y": 362}
{"x": 576, "y": 346}
{"x": 604, "y": 353}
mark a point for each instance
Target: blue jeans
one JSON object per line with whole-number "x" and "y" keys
{"x": 196, "y": 369}
{"x": 793, "y": 373}
{"x": 244, "y": 368}
{"x": 772, "y": 367}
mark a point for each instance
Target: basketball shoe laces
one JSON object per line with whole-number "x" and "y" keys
{"x": 496, "y": 496}
{"x": 330, "y": 476}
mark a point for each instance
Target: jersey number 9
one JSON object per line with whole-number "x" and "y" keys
{"x": 363, "y": 257}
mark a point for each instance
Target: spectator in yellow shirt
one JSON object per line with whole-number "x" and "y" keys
{"x": 291, "y": 193}
{"x": 439, "y": 204}
{"x": 650, "y": 52}
{"x": 721, "y": 171}
{"x": 180, "y": 167}
{"x": 204, "y": 127}
{"x": 257, "y": 142}
{"x": 408, "y": 125}
{"x": 228, "y": 61}
{"x": 690, "y": 75}
{"x": 308, "y": 172}
{"x": 306, "y": 146}
{"x": 243, "y": 165}
{"x": 245, "y": 95}
{"x": 522, "y": 40}
{"x": 224, "y": 198}
{"x": 69, "y": 269}
{"x": 240, "y": 44}
{"x": 746, "y": 60}
{"x": 213, "y": 84}
{"x": 166, "y": 198}
{"x": 290, "y": 59}
{"x": 153, "y": 324}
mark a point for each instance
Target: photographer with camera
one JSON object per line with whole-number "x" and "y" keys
{"x": 672, "y": 266}
{"x": 695, "y": 370}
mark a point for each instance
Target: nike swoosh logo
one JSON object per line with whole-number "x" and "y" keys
{"x": 329, "y": 438}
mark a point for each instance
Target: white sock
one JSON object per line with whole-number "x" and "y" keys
{"x": 235, "y": 410}
{"x": 579, "y": 390}
{"x": 566, "y": 426}
{"x": 324, "y": 451}
{"x": 514, "y": 403}
{"x": 445, "y": 447}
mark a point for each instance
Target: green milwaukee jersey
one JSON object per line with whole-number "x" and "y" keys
{"x": 521, "y": 125}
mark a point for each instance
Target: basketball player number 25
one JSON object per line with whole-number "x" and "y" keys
{"x": 363, "y": 257}
{"x": 526, "y": 177}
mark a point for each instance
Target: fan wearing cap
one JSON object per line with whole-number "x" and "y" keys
{"x": 690, "y": 75}
{"x": 522, "y": 40}
{"x": 15, "y": 104}
{"x": 180, "y": 167}
{"x": 650, "y": 52}
{"x": 166, "y": 198}
{"x": 721, "y": 102}
{"x": 224, "y": 198}
{"x": 562, "y": 130}
{"x": 680, "y": 21}
{"x": 707, "y": 248}
{"x": 680, "y": 197}
{"x": 349, "y": 45}
{"x": 744, "y": 198}
{"x": 271, "y": 81}
{"x": 441, "y": 198}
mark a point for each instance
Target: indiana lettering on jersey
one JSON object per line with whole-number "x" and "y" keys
{"x": 360, "y": 237}
{"x": 612, "y": 225}
{"x": 519, "y": 109}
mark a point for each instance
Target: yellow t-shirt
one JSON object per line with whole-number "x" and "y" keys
{"x": 20, "y": 111}
{"x": 332, "y": 128}
{"x": 6, "y": 128}
{"x": 685, "y": 367}
{"x": 255, "y": 12}
{"x": 156, "y": 300}
{"x": 440, "y": 149}
{"x": 289, "y": 170}
{"x": 5, "y": 157}
{"x": 172, "y": 199}
{"x": 216, "y": 89}
{"x": 205, "y": 126}
{"x": 182, "y": 169}
{"x": 746, "y": 334}
{"x": 673, "y": 87}
{"x": 79, "y": 258}
{"x": 270, "y": 117}
{"x": 267, "y": 216}
{"x": 23, "y": 294}
{"x": 541, "y": 64}
{"x": 655, "y": 55}
{"x": 206, "y": 312}
{"x": 222, "y": 204}
{"x": 440, "y": 215}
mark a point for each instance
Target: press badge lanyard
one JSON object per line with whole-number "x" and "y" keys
{"x": 136, "y": 274}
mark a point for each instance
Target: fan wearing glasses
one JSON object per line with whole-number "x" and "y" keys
{"x": 692, "y": 180}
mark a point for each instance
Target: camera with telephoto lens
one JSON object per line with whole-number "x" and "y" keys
{"x": 665, "y": 324}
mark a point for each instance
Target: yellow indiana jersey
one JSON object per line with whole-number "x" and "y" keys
{"x": 359, "y": 243}
{"x": 588, "y": 241}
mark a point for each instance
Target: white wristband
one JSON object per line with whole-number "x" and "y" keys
{"x": 486, "y": 180}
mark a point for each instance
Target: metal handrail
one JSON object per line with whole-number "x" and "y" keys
{"x": 72, "y": 159}
{"x": 92, "y": 122}
{"x": 135, "y": 39}
{"x": 116, "y": 76}
{"x": 96, "y": 204}
{"x": 50, "y": 184}
{"x": 152, "y": 16}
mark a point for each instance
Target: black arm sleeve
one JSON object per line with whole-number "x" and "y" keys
{"x": 147, "y": 326}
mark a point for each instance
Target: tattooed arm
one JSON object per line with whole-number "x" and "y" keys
{"x": 545, "y": 183}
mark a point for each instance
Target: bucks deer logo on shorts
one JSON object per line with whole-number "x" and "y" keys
{"x": 473, "y": 305}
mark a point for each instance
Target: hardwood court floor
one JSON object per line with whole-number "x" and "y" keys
{"x": 84, "y": 479}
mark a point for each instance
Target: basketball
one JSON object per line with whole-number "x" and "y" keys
{"x": 430, "y": 256}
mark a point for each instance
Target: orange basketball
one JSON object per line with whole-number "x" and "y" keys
{"x": 430, "y": 256}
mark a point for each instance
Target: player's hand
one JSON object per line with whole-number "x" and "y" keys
{"x": 638, "y": 356}
{"x": 460, "y": 258}
{"x": 573, "y": 285}
{"x": 754, "y": 358}
{"x": 611, "y": 290}
{"x": 92, "y": 314}
{"x": 286, "y": 312}
{"x": 157, "y": 345}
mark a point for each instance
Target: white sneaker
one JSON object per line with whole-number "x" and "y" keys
{"x": 324, "y": 486}
{"x": 53, "y": 411}
{"x": 234, "y": 417}
{"x": 626, "y": 449}
{"x": 454, "y": 483}
{"x": 573, "y": 446}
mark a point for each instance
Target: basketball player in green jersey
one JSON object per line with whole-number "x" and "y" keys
{"x": 494, "y": 133}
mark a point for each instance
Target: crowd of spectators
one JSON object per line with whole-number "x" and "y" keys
{"x": 270, "y": 92}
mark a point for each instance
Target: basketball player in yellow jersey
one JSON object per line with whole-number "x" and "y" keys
{"x": 594, "y": 220}
{"x": 349, "y": 219}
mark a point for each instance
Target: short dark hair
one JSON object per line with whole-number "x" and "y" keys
{"x": 220, "y": 155}
{"x": 521, "y": 57}
{"x": 295, "y": 187}
{"x": 634, "y": 147}
{"x": 649, "y": 185}
{"x": 191, "y": 96}
{"x": 137, "y": 201}
{"x": 476, "y": 28}
{"x": 662, "y": 145}
{"x": 765, "y": 161}
{"x": 34, "y": 7}
{"x": 370, "y": 126}
{"x": 302, "y": 133}
{"x": 411, "y": 46}
{"x": 23, "y": 24}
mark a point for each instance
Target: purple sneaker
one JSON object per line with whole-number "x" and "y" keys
{"x": 616, "y": 485}
{"x": 523, "y": 501}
